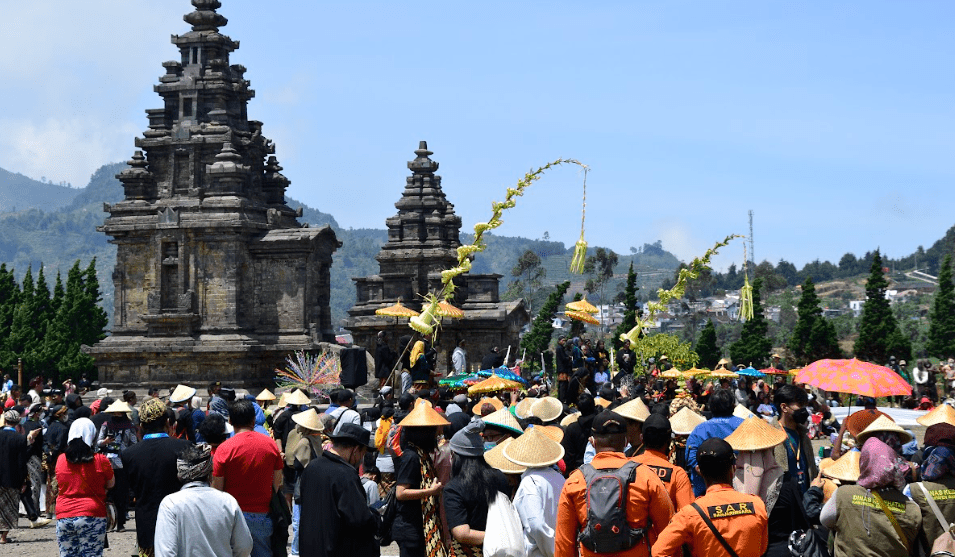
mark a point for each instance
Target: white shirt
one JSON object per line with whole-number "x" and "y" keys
{"x": 345, "y": 415}
{"x": 201, "y": 520}
{"x": 459, "y": 360}
{"x": 536, "y": 503}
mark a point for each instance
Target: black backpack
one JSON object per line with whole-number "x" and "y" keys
{"x": 607, "y": 529}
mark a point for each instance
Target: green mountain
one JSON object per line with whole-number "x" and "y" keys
{"x": 17, "y": 192}
{"x": 65, "y": 230}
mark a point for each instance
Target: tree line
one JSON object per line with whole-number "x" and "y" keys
{"x": 46, "y": 328}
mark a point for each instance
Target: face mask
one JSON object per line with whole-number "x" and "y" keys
{"x": 488, "y": 445}
{"x": 801, "y": 416}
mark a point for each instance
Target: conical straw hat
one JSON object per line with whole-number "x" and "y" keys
{"x": 882, "y": 424}
{"x": 493, "y": 401}
{"x": 742, "y": 412}
{"x": 534, "y": 449}
{"x": 634, "y": 410}
{"x": 265, "y": 395}
{"x": 309, "y": 420}
{"x": 547, "y": 409}
{"x": 846, "y": 469}
{"x": 683, "y": 422}
{"x": 422, "y": 415}
{"x": 942, "y": 414}
{"x": 523, "y": 409}
{"x": 297, "y": 397}
{"x": 182, "y": 393}
{"x": 552, "y": 431}
{"x": 569, "y": 419}
{"x": 282, "y": 402}
{"x": 495, "y": 459}
{"x": 118, "y": 406}
{"x": 503, "y": 419}
{"x": 755, "y": 434}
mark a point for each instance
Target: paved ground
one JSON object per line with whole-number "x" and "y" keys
{"x": 42, "y": 542}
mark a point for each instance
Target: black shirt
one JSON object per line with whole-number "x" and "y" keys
{"x": 36, "y": 449}
{"x": 13, "y": 459}
{"x": 463, "y": 505}
{"x": 151, "y": 467}
{"x": 409, "y": 521}
{"x": 334, "y": 501}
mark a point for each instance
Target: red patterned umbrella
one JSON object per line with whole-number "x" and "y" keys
{"x": 855, "y": 377}
{"x": 774, "y": 371}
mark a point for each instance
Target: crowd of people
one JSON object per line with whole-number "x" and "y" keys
{"x": 626, "y": 469}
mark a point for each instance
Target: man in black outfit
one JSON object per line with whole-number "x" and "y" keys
{"x": 333, "y": 497}
{"x": 563, "y": 362}
{"x": 492, "y": 360}
{"x": 151, "y": 467}
{"x": 577, "y": 433}
{"x": 626, "y": 360}
{"x": 385, "y": 359}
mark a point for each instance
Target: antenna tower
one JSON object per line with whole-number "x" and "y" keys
{"x": 752, "y": 251}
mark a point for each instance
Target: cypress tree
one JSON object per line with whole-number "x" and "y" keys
{"x": 22, "y": 333}
{"x": 58, "y": 294}
{"x": 630, "y": 305}
{"x": 753, "y": 346}
{"x": 706, "y": 347}
{"x": 941, "y": 333}
{"x": 538, "y": 338}
{"x": 879, "y": 333}
{"x": 814, "y": 337}
{"x": 94, "y": 329}
{"x": 9, "y": 298}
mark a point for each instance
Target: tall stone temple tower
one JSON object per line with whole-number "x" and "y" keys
{"x": 215, "y": 278}
{"x": 422, "y": 242}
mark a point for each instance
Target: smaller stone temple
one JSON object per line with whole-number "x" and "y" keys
{"x": 215, "y": 278}
{"x": 422, "y": 241}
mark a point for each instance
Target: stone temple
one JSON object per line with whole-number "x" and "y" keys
{"x": 215, "y": 278}
{"x": 422, "y": 241}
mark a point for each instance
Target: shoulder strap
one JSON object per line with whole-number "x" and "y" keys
{"x": 934, "y": 506}
{"x": 891, "y": 517}
{"x": 719, "y": 537}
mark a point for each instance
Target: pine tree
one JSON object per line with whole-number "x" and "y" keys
{"x": 879, "y": 333}
{"x": 94, "y": 329}
{"x": 630, "y": 304}
{"x": 706, "y": 347}
{"x": 58, "y": 294}
{"x": 941, "y": 333}
{"x": 814, "y": 337}
{"x": 22, "y": 333}
{"x": 536, "y": 341}
{"x": 9, "y": 298}
{"x": 753, "y": 347}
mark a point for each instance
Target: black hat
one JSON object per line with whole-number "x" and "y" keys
{"x": 354, "y": 432}
{"x": 607, "y": 423}
{"x": 715, "y": 450}
{"x": 57, "y": 409}
{"x": 656, "y": 423}
{"x": 227, "y": 393}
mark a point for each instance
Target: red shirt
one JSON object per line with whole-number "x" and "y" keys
{"x": 82, "y": 487}
{"x": 248, "y": 462}
{"x": 9, "y": 403}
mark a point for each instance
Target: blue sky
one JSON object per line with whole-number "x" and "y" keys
{"x": 833, "y": 122}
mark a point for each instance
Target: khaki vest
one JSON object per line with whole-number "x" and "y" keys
{"x": 863, "y": 530}
{"x": 943, "y": 491}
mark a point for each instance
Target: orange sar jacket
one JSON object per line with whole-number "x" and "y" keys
{"x": 740, "y": 518}
{"x": 674, "y": 478}
{"x": 648, "y": 502}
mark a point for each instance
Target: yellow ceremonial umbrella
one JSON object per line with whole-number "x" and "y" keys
{"x": 672, "y": 373}
{"x": 696, "y": 372}
{"x": 582, "y": 305}
{"x": 493, "y": 384}
{"x": 446, "y": 310}
{"x": 582, "y": 316}
{"x": 723, "y": 374}
{"x": 397, "y": 310}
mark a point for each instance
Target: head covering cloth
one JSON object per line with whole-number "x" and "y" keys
{"x": 880, "y": 466}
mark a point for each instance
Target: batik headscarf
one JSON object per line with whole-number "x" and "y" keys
{"x": 758, "y": 473}
{"x": 940, "y": 463}
{"x": 219, "y": 406}
{"x": 891, "y": 439}
{"x": 880, "y": 466}
{"x": 151, "y": 410}
{"x": 194, "y": 464}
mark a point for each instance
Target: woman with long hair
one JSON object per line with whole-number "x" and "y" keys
{"x": 417, "y": 525}
{"x": 83, "y": 477}
{"x": 473, "y": 487}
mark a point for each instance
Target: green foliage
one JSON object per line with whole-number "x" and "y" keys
{"x": 753, "y": 348}
{"x": 681, "y": 353}
{"x": 537, "y": 340}
{"x": 814, "y": 337}
{"x": 879, "y": 334}
{"x": 530, "y": 276}
{"x": 600, "y": 267}
{"x": 630, "y": 305}
{"x": 706, "y": 347}
{"x": 941, "y": 333}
